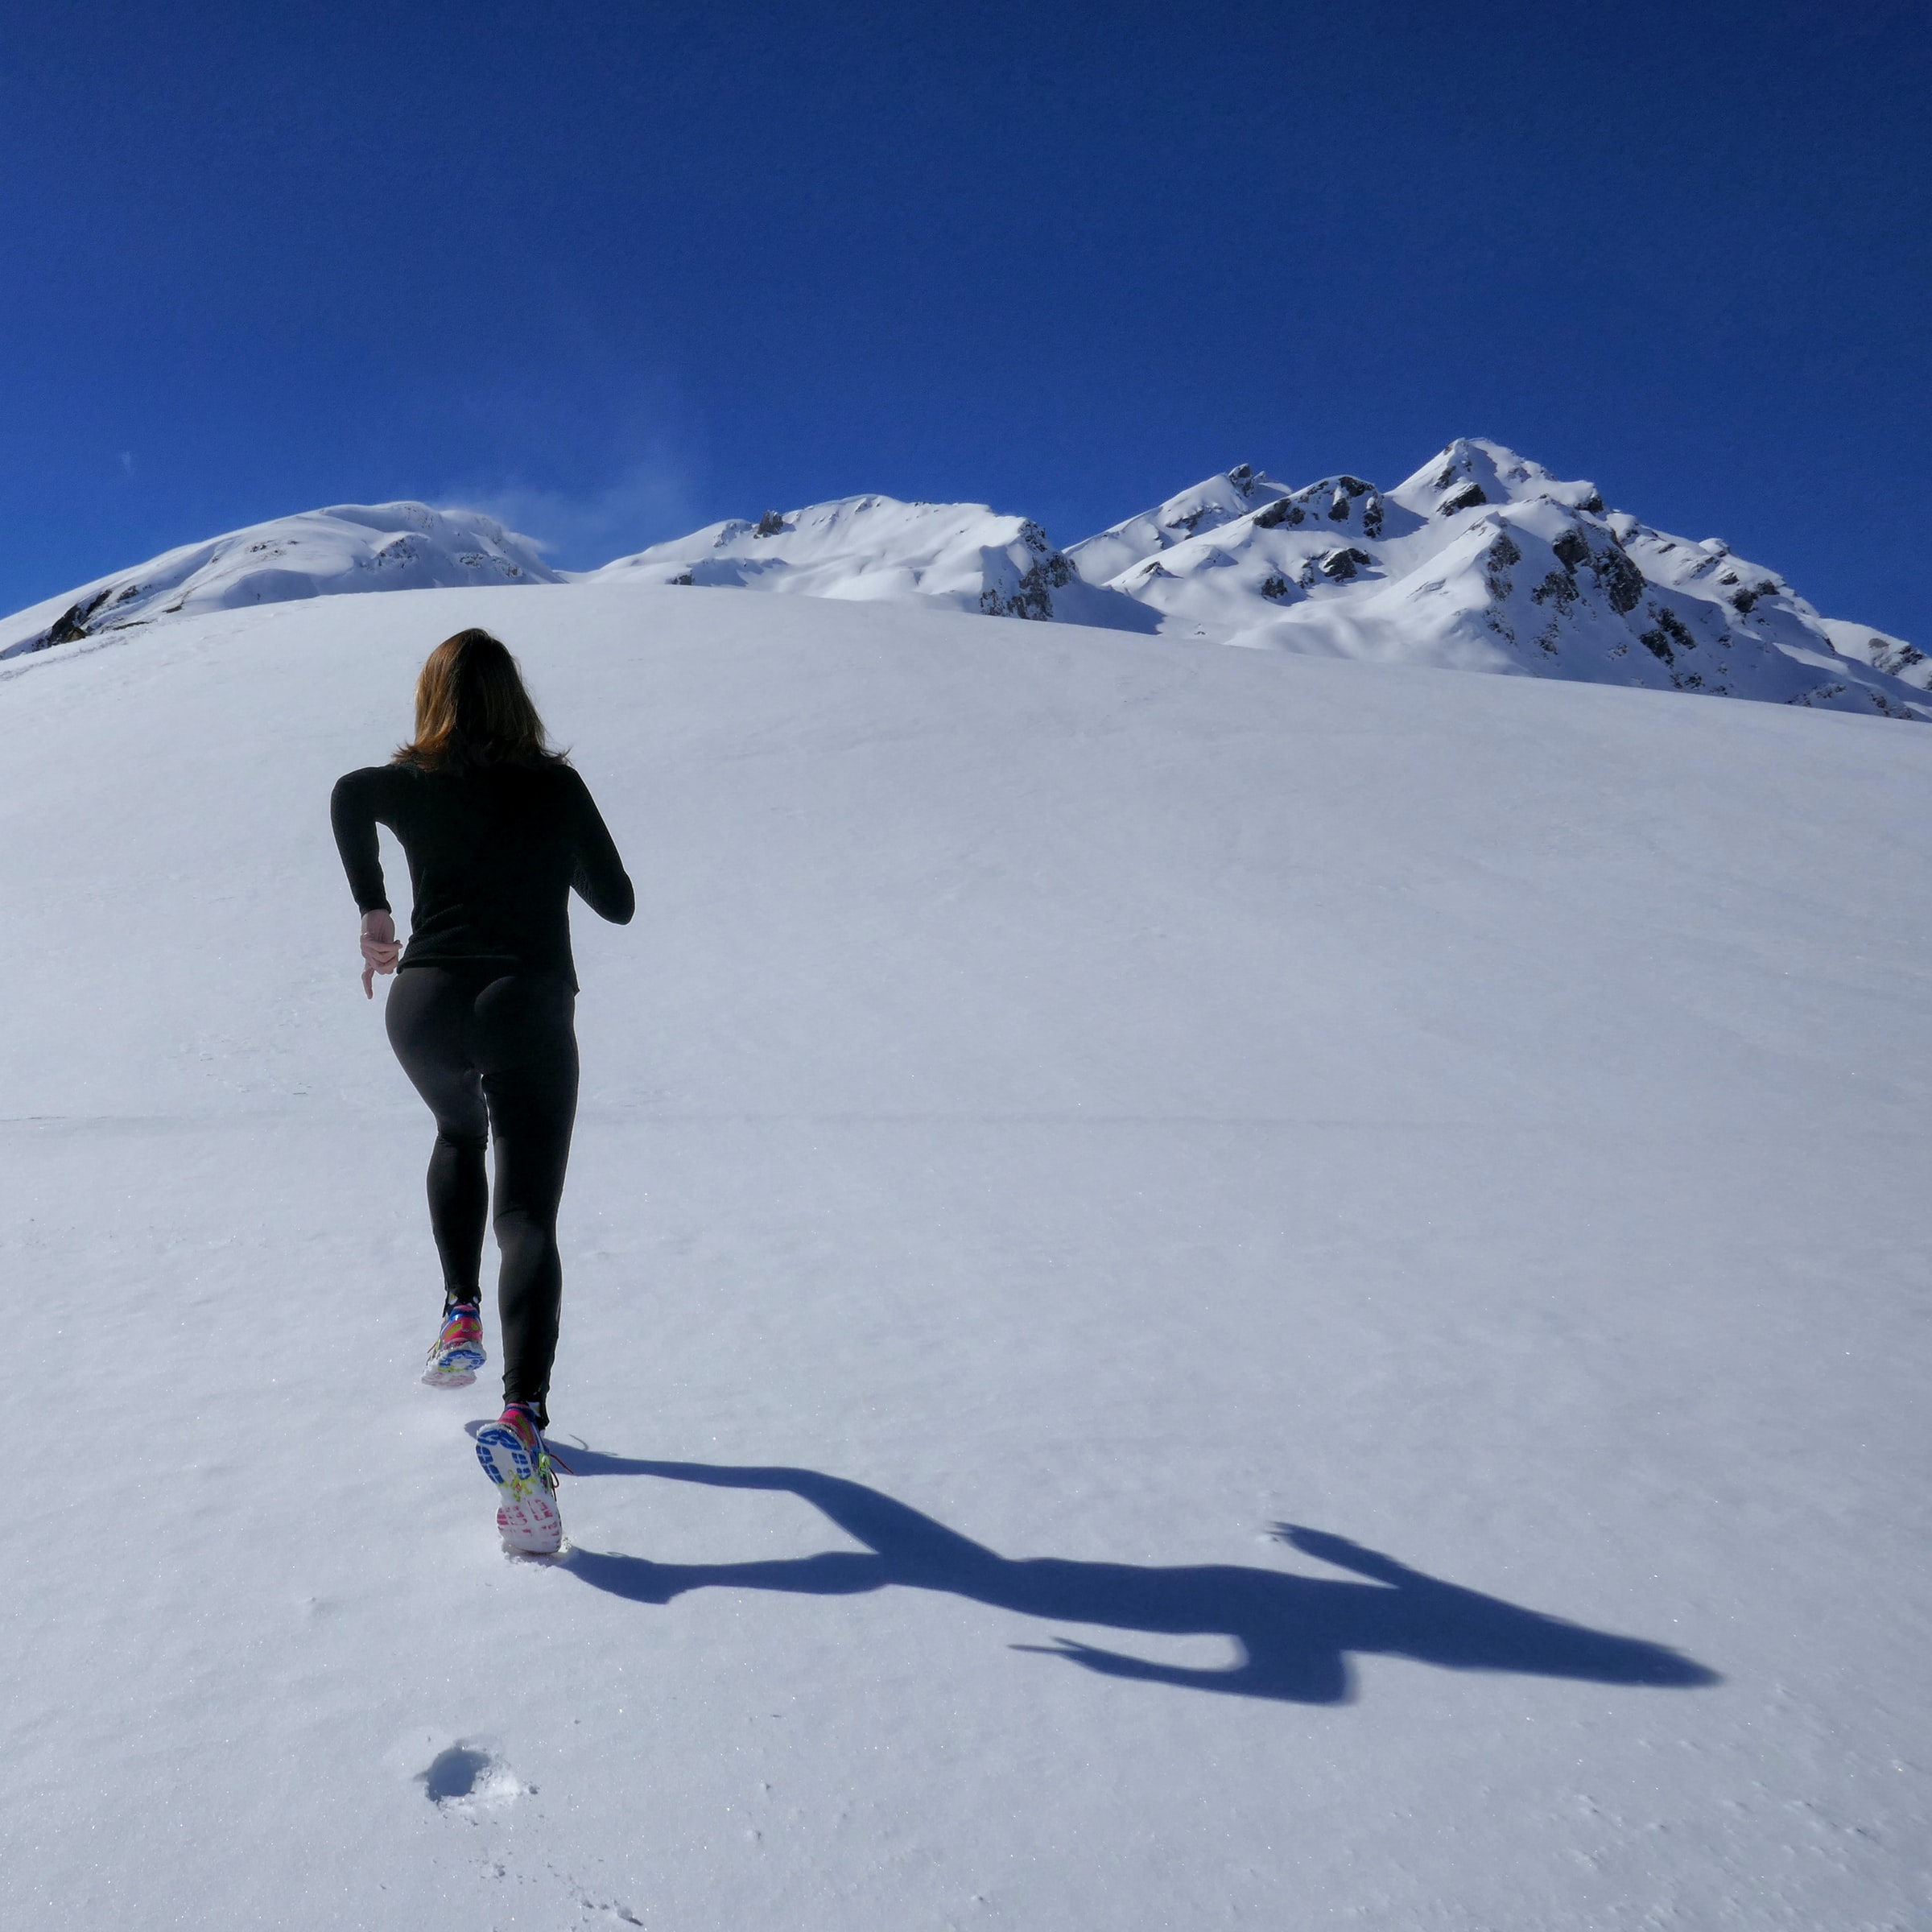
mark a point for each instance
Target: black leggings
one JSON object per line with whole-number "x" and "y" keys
{"x": 495, "y": 1056}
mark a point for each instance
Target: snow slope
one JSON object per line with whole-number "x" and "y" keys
{"x": 1069, "y": 1105}
{"x": 962, "y": 556}
{"x": 352, "y": 546}
{"x": 1879, "y": 648}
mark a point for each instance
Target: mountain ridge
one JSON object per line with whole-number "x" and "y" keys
{"x": 1480, "y": 559}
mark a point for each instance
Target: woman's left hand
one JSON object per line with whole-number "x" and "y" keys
{"x": 379, "y": 951}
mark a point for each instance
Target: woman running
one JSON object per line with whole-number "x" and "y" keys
{"x": 498, "y": 829}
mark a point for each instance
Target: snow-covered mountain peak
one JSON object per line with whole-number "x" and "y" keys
{"x": 966, "y": 555}
{"x": 1205, "y": 506}
{"x": 1484, "y": 559}
{"x": 349, "y": 547}
{"x": 1472, "y": 471}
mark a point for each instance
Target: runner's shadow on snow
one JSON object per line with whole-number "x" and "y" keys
{"x": 1295, "y": 1633}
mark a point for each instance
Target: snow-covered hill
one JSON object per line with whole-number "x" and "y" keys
{"x": 1481, "y": 560}
{"x": 352, "y": 546}
{"x": 1202, "y": 1288}
{"x": 962, "y": 556}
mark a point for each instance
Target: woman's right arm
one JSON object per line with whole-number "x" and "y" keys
{"x": 354, "y": 810}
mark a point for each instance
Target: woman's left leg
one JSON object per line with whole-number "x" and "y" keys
{"x": 427, "y": 1018}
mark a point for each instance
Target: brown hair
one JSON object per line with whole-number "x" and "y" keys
{"x": 471, "y": 709}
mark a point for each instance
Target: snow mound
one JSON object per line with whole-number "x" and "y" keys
{"x": 351, "y": 547}
{"x": 963, "y": 556}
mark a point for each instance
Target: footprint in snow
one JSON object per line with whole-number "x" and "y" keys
{"x": 467, "y": 1779}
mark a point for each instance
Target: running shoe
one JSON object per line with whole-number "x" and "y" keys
{"x": 458, "y": 1353}
{"x": 516, "y": 1457}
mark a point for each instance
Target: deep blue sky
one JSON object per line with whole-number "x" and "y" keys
{"x": 616, "y": 271}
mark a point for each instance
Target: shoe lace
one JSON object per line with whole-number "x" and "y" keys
{"x": 547, "y": 1458}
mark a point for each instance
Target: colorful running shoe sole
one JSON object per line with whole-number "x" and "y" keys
{"x": 527, "y": 1517}
{"x": 458, "y": 1352}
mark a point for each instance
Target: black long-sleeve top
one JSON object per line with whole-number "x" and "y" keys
{"x": 493, "y": 854}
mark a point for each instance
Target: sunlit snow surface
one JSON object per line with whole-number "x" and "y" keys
{"x": 1071, "y": 1106}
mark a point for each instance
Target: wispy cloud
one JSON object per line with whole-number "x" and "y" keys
{"x": 647, "y": 500}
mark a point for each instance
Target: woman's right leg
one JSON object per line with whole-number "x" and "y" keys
{"x": 527, "y": 1046}
{"x": 427, "y": 1018}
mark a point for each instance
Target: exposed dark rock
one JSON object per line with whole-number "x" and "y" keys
{"x": 1337, "y": 511}
{"x": 1283, "y": 510}
{"x": 1622, "y": 582}
{"x": 1036, "y": 539}
{"x": 1340, "y": 565}
{"x": 1896, "y": 663}
{"x": 769, "y": 525}
{"x": 1275, "y": 586}
{"x": 1823, "y": 693}
{"x": 1503, "y": 552}
{"x": 1882, "y": 703}
{"x": 1744, "y": 601}
{"x": 1668, "y": 630}
{"x": 686, "y": 579}
{"x": 1572, "y": 550}
{"x": 1593, "y": 503}
{"x": 1031, "y": 597}
{"x": 1372, "y": 515}
{"x": 1559, "y": 588}
{"x": 71, "y": 626}
{"x": 1466, "y": 498}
